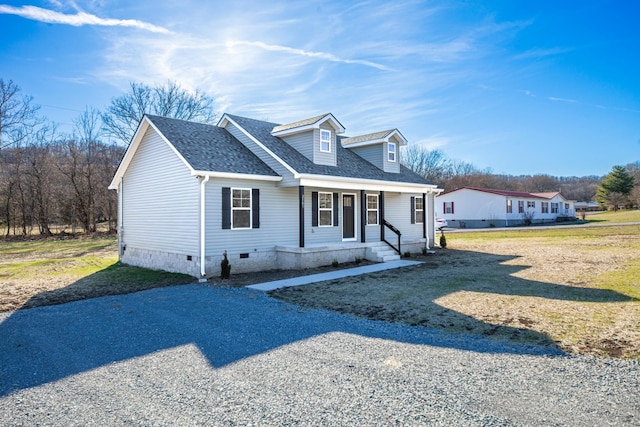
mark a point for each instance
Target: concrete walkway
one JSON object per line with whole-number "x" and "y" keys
{"x": 331, "y": 275}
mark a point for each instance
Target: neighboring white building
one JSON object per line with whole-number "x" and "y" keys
{"x": 469, "y": 207}
{"x": 270, "y": 196}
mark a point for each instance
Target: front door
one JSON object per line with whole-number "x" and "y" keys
{"x": 348, "y": 216}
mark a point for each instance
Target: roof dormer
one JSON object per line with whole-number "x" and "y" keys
{"x": 314, "y": 137}
{"x": 379, "y": 148}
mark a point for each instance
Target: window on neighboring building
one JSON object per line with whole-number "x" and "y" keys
{"x": 509, "y": 206}
{"x": 325, "y": 209}
{"x": 520, "y": 206}
{"x": 372, "y": 209}
{"x": 554, "y": 208}
{"x": 448, "y": 208}
{"x": 531, "y": 204}
{"x": 325, "y": 141}
{"x": 240, "y": 208}
{"x": 391, "y": 151}
{"x": 545, "y": 207}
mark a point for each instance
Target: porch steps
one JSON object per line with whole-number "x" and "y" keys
{"x": 381, "y": 253}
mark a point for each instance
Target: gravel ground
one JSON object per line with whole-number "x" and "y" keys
{"x": 199, "y": 355}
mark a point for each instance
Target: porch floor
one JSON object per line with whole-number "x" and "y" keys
{"x": 338, "y": 274}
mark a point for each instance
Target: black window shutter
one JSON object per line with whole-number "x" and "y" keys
{"x": 255, "y": 207}
{"x": 314, "y": 208}
{"x": 336, "y": 214}
{"x": 452, "y": 208}
{"x": 413, "y": 210}
{"x": 226, "y": 208}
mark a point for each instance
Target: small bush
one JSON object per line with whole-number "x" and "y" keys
{"x": 358, "y": 260}
{"x": 225, "y": 267}
{"x": 443, "y": 240}
{"x": 407, "y": 254}
{"x": 335, "y": 263}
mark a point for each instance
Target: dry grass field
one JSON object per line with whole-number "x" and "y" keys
{"x": 577, "y": 289}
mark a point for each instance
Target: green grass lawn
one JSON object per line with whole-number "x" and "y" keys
{"x": 44, "y": 272}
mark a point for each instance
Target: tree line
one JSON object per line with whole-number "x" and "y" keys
{"x": 49, "y": 178}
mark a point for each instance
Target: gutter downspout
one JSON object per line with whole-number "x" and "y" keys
{"x": 203, "y": 273}
{"x": 426, "y": 218}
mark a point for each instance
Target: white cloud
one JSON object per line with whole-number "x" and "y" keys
{"x": 311, "y": 54}
{"x": 542, "y": 53}
{"x": 553, "y": 98}
{"x": 81, "y": 18}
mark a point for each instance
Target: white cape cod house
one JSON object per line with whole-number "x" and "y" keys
{"x": 469, "y": 207}
{"x": 270, "y": 196}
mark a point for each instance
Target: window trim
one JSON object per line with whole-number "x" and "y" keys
{"x": 521, "y": 206}
{"x": 325, "y": 209}
{"x": 248, "y": 209}
{"x": 391, "y": 152}
{"x": 509, "y": 206}
{"x": 377, "y": 209}
{"x": 327, "y": 141}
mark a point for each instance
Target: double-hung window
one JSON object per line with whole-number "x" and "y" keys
{"x": 509, "y": 206}
{"x": 240, "y": 208}
{"x": 544, "y": 207}
{"x": 325, "y": 209}
{"x": 554, "y": 208}
{"x": 531, "y": 204}
{"x": 520, "y": 206}
{"x": 391, "y": 151}
{"x": 448, "y": 208}
{"x": 325, "y": 141}
{"x": 372, "y": 209}
{"x": 419, "y": 208}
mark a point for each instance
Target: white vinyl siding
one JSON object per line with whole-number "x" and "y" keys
{"x": 302, "y": 142}
{"x": 397, "y": 212}
{"x": 278, "y": 219}
{"x": 371, "y": 153}
{"x": 160, "y": 200}
{"x": 320, "y": 157}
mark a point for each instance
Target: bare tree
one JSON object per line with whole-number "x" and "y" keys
{"x": 18, "y": 114}
{"x": 121, "y": 118}
{"x": 433, "y": 165}
{"x": 39, "y": 177}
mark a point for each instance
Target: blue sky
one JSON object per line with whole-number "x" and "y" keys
{"x": 535, "y": 87}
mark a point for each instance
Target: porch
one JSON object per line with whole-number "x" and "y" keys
{"x": 295, "y": 257}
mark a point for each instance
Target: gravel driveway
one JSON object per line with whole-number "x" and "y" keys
{"x": 197, "y": 355}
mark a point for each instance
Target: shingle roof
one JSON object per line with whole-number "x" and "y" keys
{"x": 349, "y": 164}
{"x": 300, "y": 123}
{"x": 506, "y": 193}
{"x": 369, "y": 137}
{"x": 210, "y": 148}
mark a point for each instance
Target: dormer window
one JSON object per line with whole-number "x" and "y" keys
{"x": 325, "y": 141}
{"x": 391, "y": 151}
